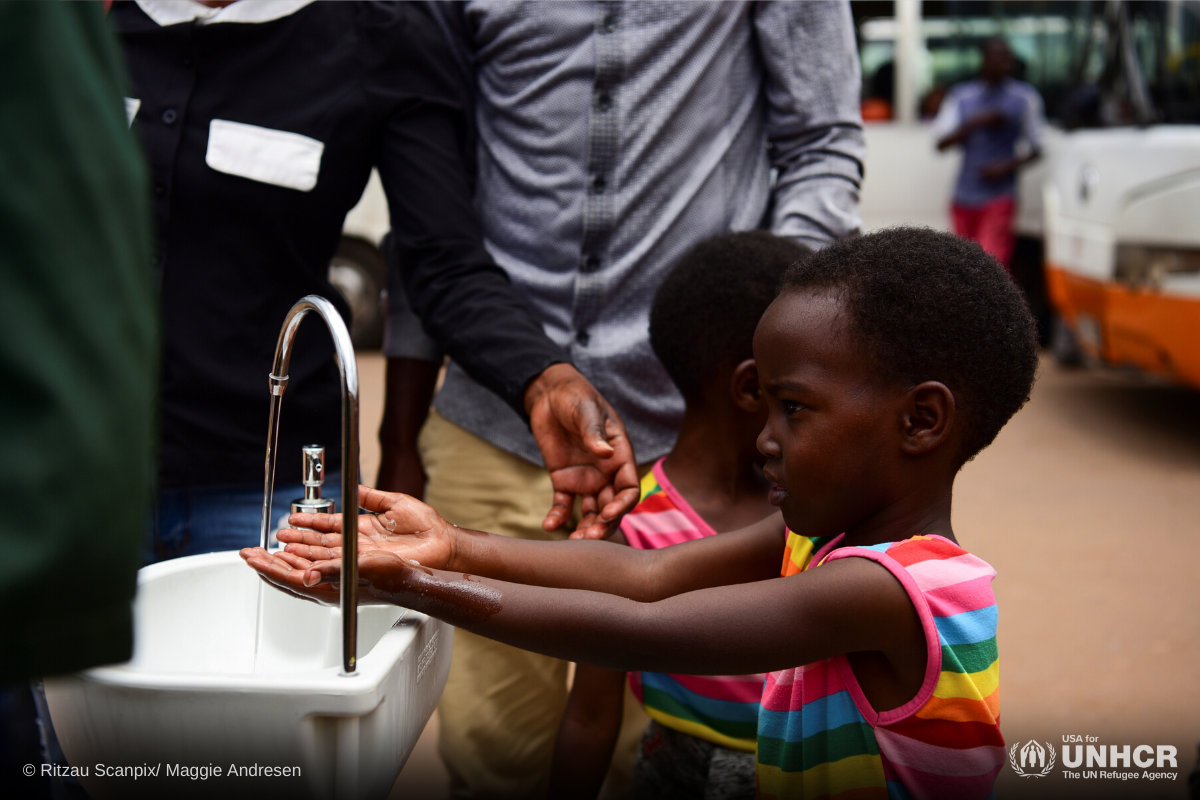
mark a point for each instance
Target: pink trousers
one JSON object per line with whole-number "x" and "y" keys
{"x": 989, "y": 225}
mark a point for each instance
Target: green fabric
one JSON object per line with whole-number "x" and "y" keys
{"x": 661, "y": 701}
{"x": 78, "y": 343}
{"x": 969, "y": 658}
{"x": 852, "y": 739}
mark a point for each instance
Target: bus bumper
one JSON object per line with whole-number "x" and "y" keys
{"x": 1123, "y": 326}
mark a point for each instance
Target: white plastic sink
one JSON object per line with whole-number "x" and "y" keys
{"x": 196, "y": 694}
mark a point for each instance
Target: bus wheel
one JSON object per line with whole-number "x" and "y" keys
{"x": 1063, "y": 345}
{"x": 358, "y": 272}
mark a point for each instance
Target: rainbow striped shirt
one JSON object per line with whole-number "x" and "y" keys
{"x": 719, "y": 709}
{"x": 818, "y": 735}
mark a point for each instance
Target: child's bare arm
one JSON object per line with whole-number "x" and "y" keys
{"x": 751, "y": 554}
{"x": 846, "y": 606}
{"x": 412, "y": 530}
{"x": 588, "y": 733}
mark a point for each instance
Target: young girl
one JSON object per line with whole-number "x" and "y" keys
{"x": 887, "y": 361}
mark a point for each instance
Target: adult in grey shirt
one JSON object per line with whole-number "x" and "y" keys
{"x": 611, "y": 138}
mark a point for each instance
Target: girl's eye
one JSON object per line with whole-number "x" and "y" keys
{"x": 790, "y": 408}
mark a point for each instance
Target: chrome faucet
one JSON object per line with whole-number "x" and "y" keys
{"x": 348, "y": 367}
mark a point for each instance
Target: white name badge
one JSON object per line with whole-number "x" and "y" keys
{"x": 265, "y": 155}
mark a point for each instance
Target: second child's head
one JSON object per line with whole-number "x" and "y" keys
{"x": 887, "y": 361}
{"x": 704, "y": 315}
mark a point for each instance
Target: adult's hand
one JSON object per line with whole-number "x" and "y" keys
{"x": 985, "y": 119}
{"x": 1002, "y": 169}
{"x": 990, "y": 118}
{"x": 585, "y": 447}
{"x": 997, "y": 170}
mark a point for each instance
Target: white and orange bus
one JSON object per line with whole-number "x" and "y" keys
{"x": 1121, "y": 196}
{"x": 1108, "y": 220}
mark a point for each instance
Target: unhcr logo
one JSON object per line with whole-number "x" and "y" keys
{"x": 1037, "y": 759}
{"x": 1095, "y": 761}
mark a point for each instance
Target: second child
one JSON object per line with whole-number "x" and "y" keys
{"x": 700, "y": 741}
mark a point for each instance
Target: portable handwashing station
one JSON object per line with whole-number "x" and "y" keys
{"x": 228, "y": 673}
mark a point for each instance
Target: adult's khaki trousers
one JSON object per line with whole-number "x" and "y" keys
{"x": 500, "y": 712}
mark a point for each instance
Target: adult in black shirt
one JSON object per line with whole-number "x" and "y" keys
{"x": 261, "y": 123}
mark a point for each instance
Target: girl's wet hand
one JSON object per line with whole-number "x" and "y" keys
{"x": 287, "y": 572}
{"x": 312, "y": 545}
{"x": 400, "y": 525}
{"x": 382, "y": 576}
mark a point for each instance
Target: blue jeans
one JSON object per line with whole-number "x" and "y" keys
{"x": 19, "y": 744}
{"x": 205, "y": 519}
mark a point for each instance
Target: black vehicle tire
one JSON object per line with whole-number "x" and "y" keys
{"x": 1063, "y": 345}
{"x": 358, "y": 272}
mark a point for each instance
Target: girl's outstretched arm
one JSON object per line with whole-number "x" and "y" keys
{"x": 413, "y": 531}
{"x": 846, "y": 606}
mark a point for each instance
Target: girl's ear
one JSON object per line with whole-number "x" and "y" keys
{"x": 747, "y": 395}
{"x": 927, "y": 421}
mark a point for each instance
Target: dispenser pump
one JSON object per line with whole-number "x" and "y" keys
{"x": 314, "y": 477}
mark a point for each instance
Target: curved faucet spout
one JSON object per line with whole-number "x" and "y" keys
{"x": 348, "y": 367}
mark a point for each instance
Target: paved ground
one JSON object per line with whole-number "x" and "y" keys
{"x": 1088, "y": 505}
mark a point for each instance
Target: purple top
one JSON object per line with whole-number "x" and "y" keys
{"x": 1022, "y": 107}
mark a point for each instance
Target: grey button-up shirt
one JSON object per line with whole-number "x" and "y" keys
{"x": 615, "y": 136}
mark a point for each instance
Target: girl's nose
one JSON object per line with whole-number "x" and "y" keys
{"x": 766, "y": 443}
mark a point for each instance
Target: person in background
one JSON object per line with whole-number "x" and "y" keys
{"x": 989, "y": 117}
{"x": 78, "y": 360}
{"x": 700, "y": 741}
{"x": 262, "y": 122}
{"x": 613, "y": 137}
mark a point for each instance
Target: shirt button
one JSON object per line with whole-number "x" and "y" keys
{"x": 599, "y": 184}
{"x": 159, "y": 189}
{"x": 609, "y": 24}
{"x": 583, "y": 338}
{"x": 169, "y": 116}
{"x": 604, "y": 101}
{"x": 591, "y": 263}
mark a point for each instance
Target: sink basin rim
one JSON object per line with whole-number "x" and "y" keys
{"x": 365, "y": 684}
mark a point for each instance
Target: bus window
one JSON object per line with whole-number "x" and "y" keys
{"x": 1166, "y": 38}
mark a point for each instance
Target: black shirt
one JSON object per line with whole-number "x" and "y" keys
{"x": 372, "y": 85}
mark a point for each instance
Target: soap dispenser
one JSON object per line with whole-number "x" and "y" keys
{"x": 314, "y": 477}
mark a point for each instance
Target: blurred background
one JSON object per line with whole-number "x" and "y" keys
{"x": 1120, "y": 84}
